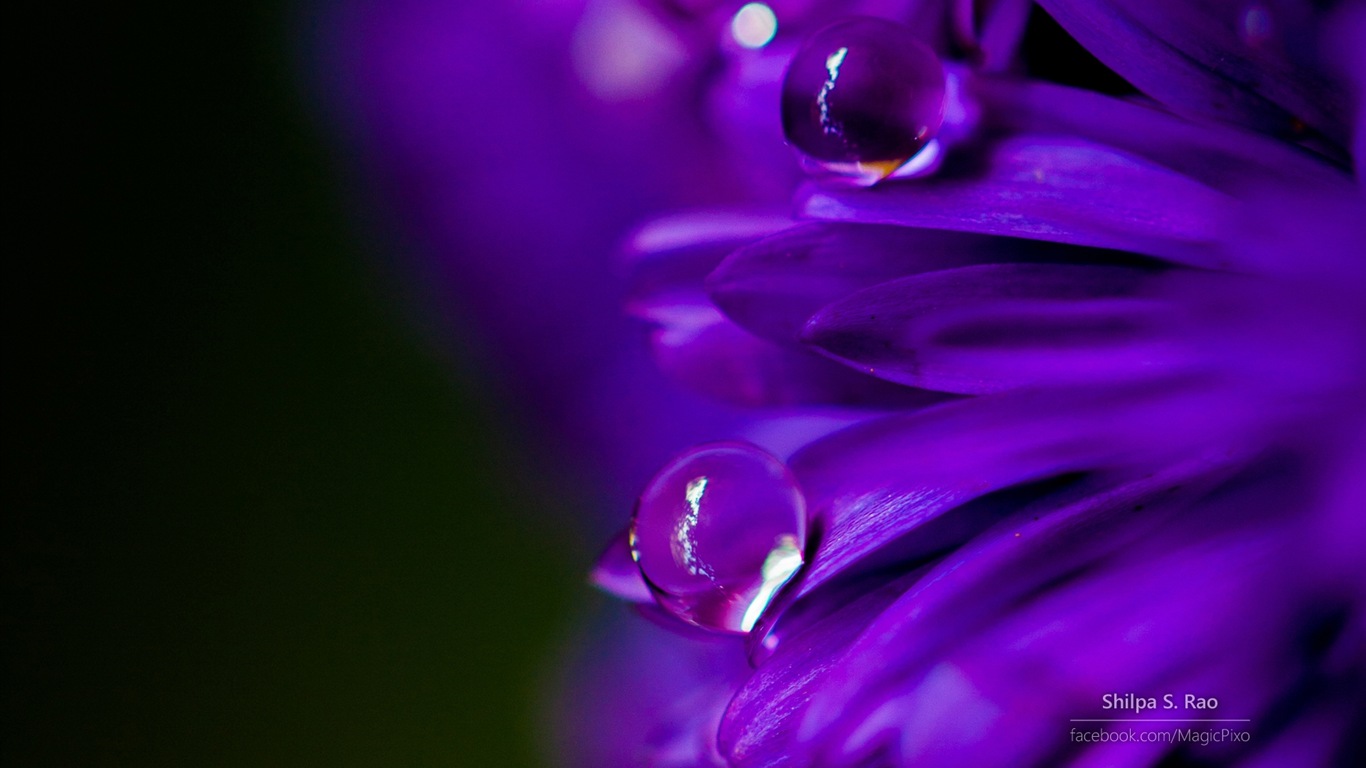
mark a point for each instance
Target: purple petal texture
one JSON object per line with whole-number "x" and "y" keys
{"x": 773, "y": 286}
{"x": 993, "y": 327}
{"x": 697, "y": 346}
{"x": 1226, "y": 158}
{"x": 668, "y": 258}
{"x": 617, "y": 573}
{"x": 993, "y": 35}
{"x": 971, "y": 586}
{"x": 1348, "y": 29}
{"x": 1240, "y": 62}
{"x": 1048, "y": 188}
{"x": 760, "y": 722}
{"x": 1042, "y": 639}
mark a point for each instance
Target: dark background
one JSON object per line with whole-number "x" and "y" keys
{"x": 249, "y": 519}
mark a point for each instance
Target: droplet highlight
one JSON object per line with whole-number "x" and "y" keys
{"x": 718, "y": 533}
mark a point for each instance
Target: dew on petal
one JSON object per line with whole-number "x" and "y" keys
{"x": 718, "y": 532}
{"x": 862, "y": 97}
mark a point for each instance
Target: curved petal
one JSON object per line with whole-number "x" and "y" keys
{"x": 990, "y": 442}
{"x": 1224, "y": 157}
{"x": 962, "y": 592}
{"x": 1136, "y": 627}
{"x": 674, "y": 253}
{"x": 1048, "y": 188}
{"x": 1249, "y": 64}
{"x": 1001, "y": 326}
{"x": 772, "y": 286}
{"x": 697, "y": 346}
{"x": 617, "y": 574}
{"x": 993, "y": 38}
{"x": 761, "y": 719}
{"x": 870, "y": 484}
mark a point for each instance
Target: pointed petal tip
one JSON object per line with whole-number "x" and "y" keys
{"x": 616, "y": 573}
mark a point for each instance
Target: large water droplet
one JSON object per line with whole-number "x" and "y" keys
{"x": 863, "y": 96}
{"x": 718, "y": 532}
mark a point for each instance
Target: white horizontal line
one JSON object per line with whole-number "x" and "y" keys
{"x": 1161, "y": 720}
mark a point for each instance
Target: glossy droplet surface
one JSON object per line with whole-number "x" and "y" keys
{"x": 718, "y": 532}
{"x": 863, "y": 92}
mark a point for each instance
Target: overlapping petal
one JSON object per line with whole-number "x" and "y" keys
{"x": 1030, "y": 548}
{"x": 774, "y": 285}
{"x": 1051, "y": 188}
{"x": 1252, "y": 64}
{"x": 994, "y": 327}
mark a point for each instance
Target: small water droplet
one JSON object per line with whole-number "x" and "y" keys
{"x": 718, "y": 532}
{"x": 862, "y": 97}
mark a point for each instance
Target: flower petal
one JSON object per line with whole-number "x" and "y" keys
{"x": 1048, "y": 188}
{"x": 697, "y": 346}
{"x": 1049, "y": 651}
{"x": 759, "y": 723}
{"x": 1223, "y": 157}
{"x": 1249, "y": 64}
{"x": 964, "y": 591}
{"x": 617, "y": 574}
{"x": 868, "y": 485}
{"x": 1000, "y": 326}
{"x": 772, "y": 286}
{"x": 994, "y": 38}
{"x": 674, "y": 253}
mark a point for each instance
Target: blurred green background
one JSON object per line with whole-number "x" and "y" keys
{"x": 248, "y": 518}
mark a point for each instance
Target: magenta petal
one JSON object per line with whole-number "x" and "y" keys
{"x": 1223, "y": 157}
{"x": 872, "y": 484}
{"x": 1000, "y": 326}
{"x": 869, "y": 484}
{"x": 1035, "y": 546}
{"x": 994, "y": 37}
{"x": 1048, "y": 188}
{"x": 617, "y": 574}
{"x": 963, "y": 592}
{"x": 1136, "y": 627}
{"x": 1215, "y": 58}
{"x": 674, "y": 253}
{"x": 760, "y": 722}
{"x": 772, "y": 286}
{"x": 1001, "y": 32}
{"x": 700, "y": 348}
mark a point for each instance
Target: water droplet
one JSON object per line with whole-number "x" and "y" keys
{"x": 862, "y": 96}
{"x": 718, "y": 532}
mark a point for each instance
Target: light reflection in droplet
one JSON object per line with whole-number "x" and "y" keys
{"x": 754, "y": 25}
{"x": 718, "y": 533}
{"x": 779, "y": 567}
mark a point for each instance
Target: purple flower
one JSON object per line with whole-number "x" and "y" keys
{"x": 1073, "y": 410}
